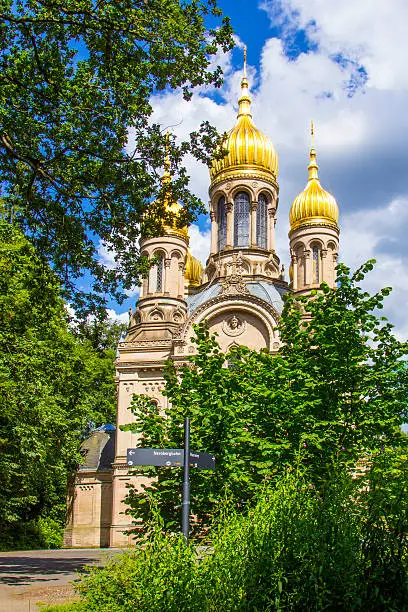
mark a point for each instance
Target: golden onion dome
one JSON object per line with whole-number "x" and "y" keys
{"x": 315, "y": 205}
{"x": 173, "y": 229}
{"x": 171, "y": 208}
{"x": 250, "y": 152}
{"x": 194, "y": 271}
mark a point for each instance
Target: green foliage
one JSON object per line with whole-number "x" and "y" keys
{"x": 52, "y": 384}
{"x": 336, "y": 392}
{"x": 297, "y": 549}
{"x": 44, "y": 532}
{"x": 80, "y": 157}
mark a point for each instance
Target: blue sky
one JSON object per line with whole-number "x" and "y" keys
{"x": 342, "y": 64}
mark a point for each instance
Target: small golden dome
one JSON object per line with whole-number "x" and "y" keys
{"x": 173, "y": 229}
{"x": 249, "y": 150}
{"x": 314, "y": 205}
{"x": 194, "y": 271}
{"x": 170, "y": 207}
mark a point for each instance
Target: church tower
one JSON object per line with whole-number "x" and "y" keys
{"x": 161, "y": 306}
{"x": 160, "y": 310}
{"x": 244, "y": 199}
{"x": 314, "y": 233}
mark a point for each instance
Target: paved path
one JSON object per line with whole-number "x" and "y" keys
{"x": 29, "y": 577}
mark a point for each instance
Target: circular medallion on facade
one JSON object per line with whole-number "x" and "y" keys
{"x": 234, "y": 326}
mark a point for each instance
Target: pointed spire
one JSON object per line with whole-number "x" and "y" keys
{"x": 166, "y": 178}
{"x": 313, "y": 167}
{"x": 244, "y": 101}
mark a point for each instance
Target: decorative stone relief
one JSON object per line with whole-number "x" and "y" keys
{"x": 234, "y": 326}
{"x": 234, "y": 282}
{"x": 153, "y": 386}
{"x": 156, "y": 315}
{"x": 177, "y": 317}
{"x": 129, "y": 387}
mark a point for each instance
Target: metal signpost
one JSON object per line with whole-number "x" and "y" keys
{"x": 185, "y": 503}
{"x": 175, "y": 457}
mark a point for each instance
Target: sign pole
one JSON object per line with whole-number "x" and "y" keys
{"x": 185, "y": 504}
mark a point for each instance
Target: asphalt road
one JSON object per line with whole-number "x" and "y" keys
{"x": 33, "y": 576}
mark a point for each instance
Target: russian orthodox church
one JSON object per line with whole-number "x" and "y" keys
{"x": 239, "y": 294}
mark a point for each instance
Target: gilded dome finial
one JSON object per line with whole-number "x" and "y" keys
{"x": 166, "y": 178}
{"x": 313, "y": 167}
{"x": 314, "y": 205}
{"x": 244, "y": 102}
{"x": 250, "y": 152}
{"x": 172, "y": 208}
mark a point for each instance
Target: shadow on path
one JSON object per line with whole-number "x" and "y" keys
{"x": 41, "y": 567}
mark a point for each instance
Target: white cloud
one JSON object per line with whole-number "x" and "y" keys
{"x": 122, "y": 317}
{"x": 380, "y": 234}
{"x": 200, "y": 242}
{"x": 107, "y": 256}
{"x": 369, "y": 32}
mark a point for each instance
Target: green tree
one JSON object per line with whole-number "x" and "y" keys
{"x": 80, "y": 157}
{"x": 335, "y": 393}
{"x": 52, "y": 384}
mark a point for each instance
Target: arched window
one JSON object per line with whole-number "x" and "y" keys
{"x": 222, "y": 224}
{"x": 261, "y": 221}
{"x": 159, "y": 273}
{"x": 241, "y": 219}
{"x": 315, "y": 265}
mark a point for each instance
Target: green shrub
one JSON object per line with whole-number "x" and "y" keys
{"x": 299, "y": 549}
{"x": 45, "y": 532}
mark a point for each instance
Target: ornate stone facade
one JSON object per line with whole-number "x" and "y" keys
{"x": 239, "y": 293}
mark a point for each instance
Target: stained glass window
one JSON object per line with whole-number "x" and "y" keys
{"x": 316, "y": 265}
{"x": 241, "y": 219}
{"x": 159, "y": 277}
{"x": 261, "y": 221}
{"x": 222, "y": 224}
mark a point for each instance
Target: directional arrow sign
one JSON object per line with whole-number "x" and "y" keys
{"x": 169, "y": 457}
{"x": 204, "y": 461}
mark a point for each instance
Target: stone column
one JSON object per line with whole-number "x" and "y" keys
{"x": 230, "y": 224}
{"x": 308, "y": 268}
{"x": 214, "y": 232}
{"x": 295, "y": 272}
{"x": 333, "y": 266}
{"x": 271, "y": 229}
{"x": 143, "y": 288}
{"x": 324, "y": 271}
{"x": 181, "y": 268}
{"x": 254, "y": 207}
{"x": 166, "y": 273}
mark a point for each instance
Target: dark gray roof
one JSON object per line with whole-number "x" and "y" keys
{"x": 98, "y": 450}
